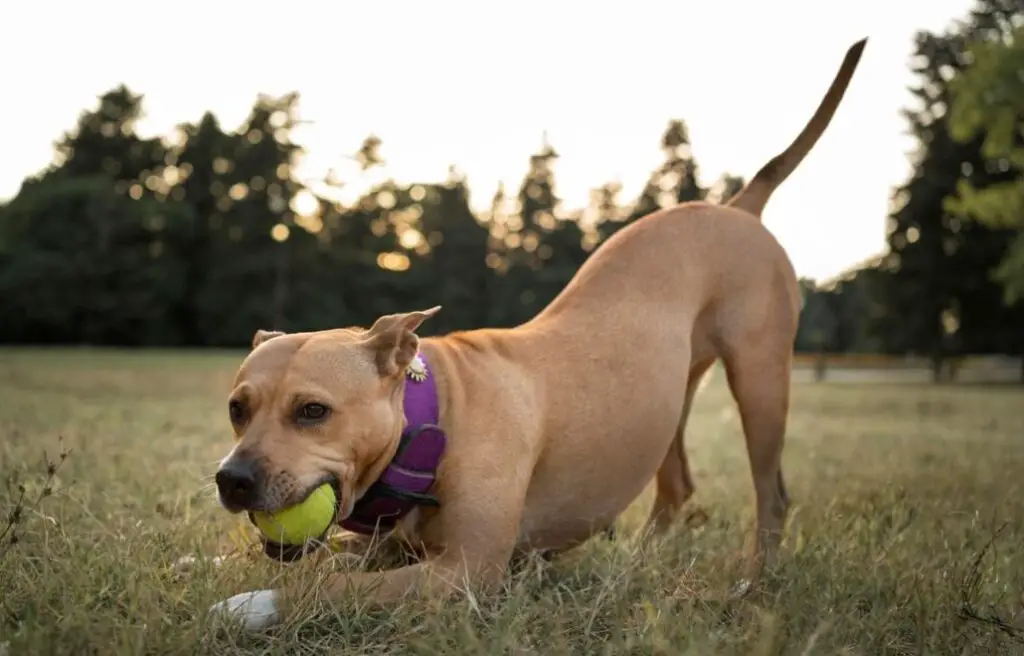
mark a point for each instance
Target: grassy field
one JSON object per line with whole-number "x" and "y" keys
{"x": 895, "y": 546}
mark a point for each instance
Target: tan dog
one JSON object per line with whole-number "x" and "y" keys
{"x": 554, "y": 427}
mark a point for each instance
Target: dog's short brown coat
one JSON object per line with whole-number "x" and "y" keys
{"x": 557, "y": 425}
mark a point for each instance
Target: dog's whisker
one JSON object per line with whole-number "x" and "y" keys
{"x": 208, "y": 491}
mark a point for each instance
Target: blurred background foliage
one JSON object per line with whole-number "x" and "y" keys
{"x": 202, "y": 236}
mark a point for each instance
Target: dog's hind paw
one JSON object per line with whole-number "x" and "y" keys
{"x": 253, "y": 610}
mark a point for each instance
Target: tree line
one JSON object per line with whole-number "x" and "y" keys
{"x": 952, "y": 280}
{"x": 199, "y": 237}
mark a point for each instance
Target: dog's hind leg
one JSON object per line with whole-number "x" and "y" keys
{"x": 759, "y": 378}
{"x": 674, "y": 483}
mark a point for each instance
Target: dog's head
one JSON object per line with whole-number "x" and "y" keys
{"x": 315, "y": 408}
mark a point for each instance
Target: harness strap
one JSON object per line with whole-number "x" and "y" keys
{"x": 409, "y": 476}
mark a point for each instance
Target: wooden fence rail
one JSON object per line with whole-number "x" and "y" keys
{"x": 869, "y": 367}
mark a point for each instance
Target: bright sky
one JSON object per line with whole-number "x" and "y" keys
{"x": 476, "y": 84}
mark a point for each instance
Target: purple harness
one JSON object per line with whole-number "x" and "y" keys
{"x": 408, "y": 478}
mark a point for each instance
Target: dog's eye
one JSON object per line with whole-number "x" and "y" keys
{"x": 312, "y": 412}
{"x": 236, "y": 411}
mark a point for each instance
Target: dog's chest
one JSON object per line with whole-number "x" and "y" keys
{"x": 410, "y": 529}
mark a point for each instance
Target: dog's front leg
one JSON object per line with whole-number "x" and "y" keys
{"x": 480, "y": 532}
{"x": 261, "y": 609}
{"x": 439, "y": 577}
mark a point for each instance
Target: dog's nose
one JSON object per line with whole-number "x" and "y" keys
{"x": 238, "y": 482}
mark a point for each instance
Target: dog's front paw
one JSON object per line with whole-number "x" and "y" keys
{"x": 254, "y": 610}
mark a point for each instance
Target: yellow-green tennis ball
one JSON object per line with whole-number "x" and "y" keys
{"x": 302, "y": 522}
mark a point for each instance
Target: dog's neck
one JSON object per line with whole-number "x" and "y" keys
{"x": 468, "y": 355}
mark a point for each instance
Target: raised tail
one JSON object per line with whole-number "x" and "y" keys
{"x": 755, "y": 195}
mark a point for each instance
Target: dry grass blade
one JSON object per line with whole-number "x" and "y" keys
{"x": 969, "y": 592}
{"x": 9, "y": 536}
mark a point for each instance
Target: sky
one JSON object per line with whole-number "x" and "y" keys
{"x": 477, "y": 84}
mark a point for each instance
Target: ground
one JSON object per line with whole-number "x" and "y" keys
{"x": 895, "y": 546}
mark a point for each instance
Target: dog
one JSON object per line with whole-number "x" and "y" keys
{"x": 478, "y": 446}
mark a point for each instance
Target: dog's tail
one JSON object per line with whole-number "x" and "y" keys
{"x": 755, "y": 195}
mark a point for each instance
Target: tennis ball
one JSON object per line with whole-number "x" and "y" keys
{"x": 302, "y": 522}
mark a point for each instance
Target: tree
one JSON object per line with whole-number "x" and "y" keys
{"x": 988, "y": 99}
{"x": 938, "y": 297}
{"x": 254, "y": 234}
{"x": 82, "y": 263}
{"x": 454, "y": 244}
{"x": 725, "y": 188}
{"x": 817, "y": 327}
{"x": 201, "y": 166}
{"x": 537, "y": 200}
{"x": 94, "y": 249}
{"x": 104, "y": 143}
{"x": 674, "y": 181}
{"x": 680, "y": 171}
{"x": 541, "y": 249}
{"x": 561, "y": 248}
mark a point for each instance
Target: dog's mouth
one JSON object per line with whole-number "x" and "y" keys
{"x": 289, "y": 553}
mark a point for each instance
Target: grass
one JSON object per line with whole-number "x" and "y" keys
{"x": 895, "y": 545}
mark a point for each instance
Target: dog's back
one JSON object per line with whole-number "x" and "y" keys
{"x": 700, "y": 248}
{"x": 631, "y": 335}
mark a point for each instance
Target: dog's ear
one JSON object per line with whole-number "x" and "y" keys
{"x": 264, "y": 335}
{"x": 394, "y": 340}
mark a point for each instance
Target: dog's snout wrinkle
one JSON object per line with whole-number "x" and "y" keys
{"x": 239, "y": 481}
